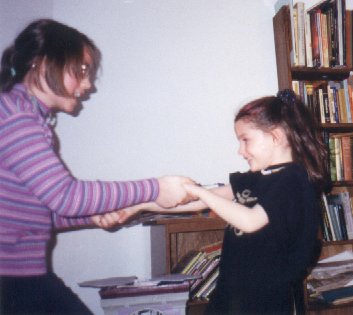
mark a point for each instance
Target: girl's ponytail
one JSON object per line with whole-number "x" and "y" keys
{"x": 8, "y": 75}
{"x": 285, "y": 110}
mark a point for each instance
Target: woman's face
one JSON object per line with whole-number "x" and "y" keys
{"x": 76, "y": 88}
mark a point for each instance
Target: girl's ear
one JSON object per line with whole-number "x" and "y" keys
{"x": 279, "y": 136}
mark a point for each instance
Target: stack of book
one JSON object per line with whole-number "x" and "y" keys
{"x": 204, "y": 263}
{"x": 322, "y": 38}
{"x": 321, "y": 34}
{"x": 331, "y": 102}
{"x": 341, "y": 150}
{"x": 337, "y": 223}
{"x": 331, "y": 281}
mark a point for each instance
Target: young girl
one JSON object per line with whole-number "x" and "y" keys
{"x": 272, "y": 209}
{"x": 48, "y": 69}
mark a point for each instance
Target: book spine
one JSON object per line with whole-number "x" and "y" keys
{"x": 346, "y": 99}
{"x": 347, "y": 207}
{"x": 346, "y": 157}
{"x": 300, "y": 33}
{"x": 308, "y": 46}
{"x": 314, "y": 40}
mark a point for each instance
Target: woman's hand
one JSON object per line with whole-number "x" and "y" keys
{"x": 122, "y": 216}
{"x": 114, "y": 218}
{"x": 172, "y": 191}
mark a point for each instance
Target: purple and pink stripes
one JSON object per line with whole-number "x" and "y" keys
{"x": 37, "y": 192}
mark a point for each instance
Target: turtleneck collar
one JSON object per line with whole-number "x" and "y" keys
{"x": 43, "y": 109}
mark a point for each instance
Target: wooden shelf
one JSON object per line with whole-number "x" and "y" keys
{"x": 171, "y": 239}
{"x": 286, "y": 74}
{"x": 196, "y": 307}
{"x": 339, "y": 128}
{"x": 343, "y": 184}
{"x": 325, "y": 309}
{"x": 317, "y": 74}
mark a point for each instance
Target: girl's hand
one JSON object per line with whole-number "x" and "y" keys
{"x": 195, "y": 191}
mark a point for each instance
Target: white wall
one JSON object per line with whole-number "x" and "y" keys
{"x": 174, "y": 74}
{"x": 15, "y": 14}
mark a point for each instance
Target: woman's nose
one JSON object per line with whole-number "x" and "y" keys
{"x": 86, "y": 83}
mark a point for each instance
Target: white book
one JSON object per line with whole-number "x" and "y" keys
{"x": 300, "y": 31}
{"x": 340, "y": 32}
{"x": 347, "y": 207}
{"x": 294, "y": 51}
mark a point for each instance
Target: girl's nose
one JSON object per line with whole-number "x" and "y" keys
{"x": 240, "y": 150}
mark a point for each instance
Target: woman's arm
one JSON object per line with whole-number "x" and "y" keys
{"x": 30, "y": 156}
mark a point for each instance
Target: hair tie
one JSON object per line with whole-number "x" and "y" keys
{"x": 287, "y": 96}
{"x": 13, "y": 72}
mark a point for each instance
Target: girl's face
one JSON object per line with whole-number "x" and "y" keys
{"x": 257, "y": 147}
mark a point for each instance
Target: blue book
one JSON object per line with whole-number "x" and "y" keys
{"x": 339, "y": 293}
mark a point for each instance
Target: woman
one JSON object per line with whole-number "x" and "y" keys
{"x": 49, "y": 67}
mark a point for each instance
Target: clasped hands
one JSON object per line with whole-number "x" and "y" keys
{"x": 173, "y": 191}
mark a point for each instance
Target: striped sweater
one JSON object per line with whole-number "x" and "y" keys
{"x": 37, "y": 192}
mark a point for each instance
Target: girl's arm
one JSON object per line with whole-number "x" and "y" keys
{"x": 120, "y": 216}
{"x": 244, "y": 218}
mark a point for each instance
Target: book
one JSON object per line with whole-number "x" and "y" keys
{"x": 294, "y": 47}
{"x": 347, "y": 100}
{"x": 332, "y": 87}
{"x": 324, "y": 40}
{"x": 348, "y": 41}
{"x": 341, "y": 97}
{"x": 109, "y": 282}
{"x": 346, "y": 147}
{"x": 333, "y": 213}
{"x": 331, "y": 295}
{"x": 192, "y": 262}
{"x": 325, "y": 223}
{"x": 334, "y": 10}
{"x": 300, "y": 32}
{"x": 206, "y": 284}
{"x": 338, "y": 156}
{"x": 347, "y": 206}
{"x": 308, "y": 45}
{"x": 340, "y": 4}
{"x": 329, "y": 217}
{"x": 210, "y": 267}
{"x": 330, "y": 274}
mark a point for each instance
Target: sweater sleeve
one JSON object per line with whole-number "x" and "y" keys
{"x": 27, "y": 152}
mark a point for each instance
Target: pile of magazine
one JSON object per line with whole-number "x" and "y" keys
{"x": 331, "y": 281}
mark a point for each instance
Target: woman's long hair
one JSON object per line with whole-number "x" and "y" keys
{"x": 61, "y": 48}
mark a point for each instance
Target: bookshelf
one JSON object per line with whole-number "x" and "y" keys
{"x": 288, "y": 72}
{"x": 172, "y": 239}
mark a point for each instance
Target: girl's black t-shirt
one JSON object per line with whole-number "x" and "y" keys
{"x": 257, "y": 270}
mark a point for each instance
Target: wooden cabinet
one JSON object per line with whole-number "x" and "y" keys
{"x": 171, "y": 239}
{"x": 287, "y": 73}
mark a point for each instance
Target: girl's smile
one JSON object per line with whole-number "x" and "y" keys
{"x": 259, "y": 148}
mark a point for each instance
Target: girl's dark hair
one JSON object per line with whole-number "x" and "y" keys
{"x": 59, "y": 46}
{"x": 287, "y": 111}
